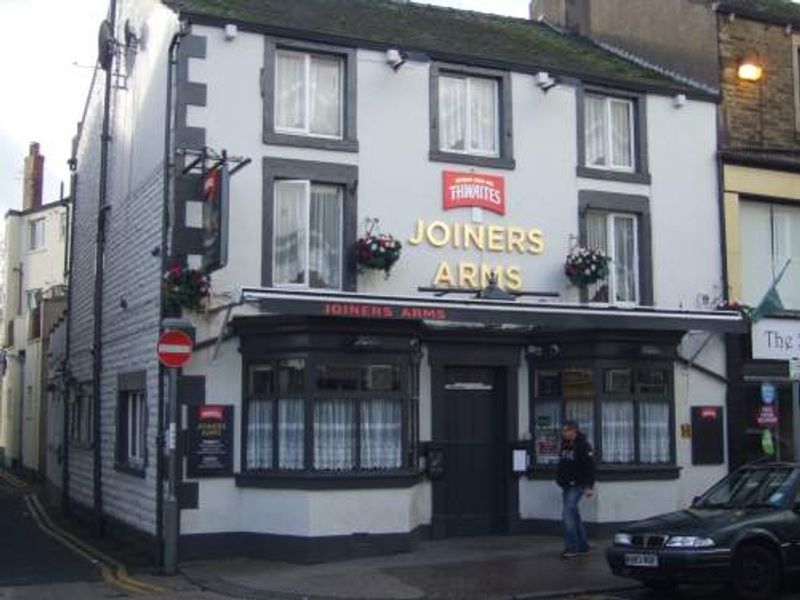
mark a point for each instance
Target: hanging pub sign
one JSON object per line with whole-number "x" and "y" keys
{"x": 215, "y": 217}
{"x": 210, "y": 441}
{"x": 474, "y": 190}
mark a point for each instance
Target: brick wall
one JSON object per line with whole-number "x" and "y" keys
{"x": 757, "y": 114}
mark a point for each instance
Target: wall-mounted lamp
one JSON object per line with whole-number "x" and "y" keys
{"x": 231, "y": 31}
{"x": 679, "y": 101}
{"x": 544, "y": 81}
{"x": 751, "y": 68}
{"x": 395, "y": 58}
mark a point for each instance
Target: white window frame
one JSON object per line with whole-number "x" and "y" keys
{"x": 609, "y": 250}
{"x": 306, "y": 131}
{"x": 135, "y": 424}
{"x": 608, "y": 135}
{"x": 468, "y": 126}
{"x": 32, "y": 237}
{"x": 307, "y": 185}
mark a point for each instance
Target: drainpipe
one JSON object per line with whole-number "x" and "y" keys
{"x": 97, "y": 346}
{"x": 172, "y": 61}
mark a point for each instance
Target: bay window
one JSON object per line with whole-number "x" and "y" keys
{"x": 327, "y": 414}
{"x": 308, "y": 234}
{"x": 624, "y": 409}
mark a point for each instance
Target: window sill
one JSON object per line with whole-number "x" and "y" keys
{"x": 308, "y": 141}
{"x": 129, "y": 469}
{"x": 608, "y": 175}
{"x": 616, "y": 472}
{"x": 329, "y": 481}
{"x": 474, "y": 160}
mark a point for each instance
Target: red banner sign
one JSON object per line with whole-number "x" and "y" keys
{"x": 210, "y": 413}
{"x": 465, "y": 190}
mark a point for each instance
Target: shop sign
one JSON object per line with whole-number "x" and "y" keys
{"x": 767, "y": 417}
{"x": 776, "y": 339}
{"x": 473, "y": 190}
{"x": 210, "y": 441}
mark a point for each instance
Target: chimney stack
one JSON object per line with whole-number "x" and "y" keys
{"x": 34, "y": 172}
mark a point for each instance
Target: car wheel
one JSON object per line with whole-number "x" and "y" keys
{"x": 756, "y": 573}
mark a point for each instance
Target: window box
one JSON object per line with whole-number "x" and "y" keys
{"x": 309, "y": 92}
{"x": 470, "y": 116}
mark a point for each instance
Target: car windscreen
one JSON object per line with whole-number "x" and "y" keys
{"x": 749, "y": 488}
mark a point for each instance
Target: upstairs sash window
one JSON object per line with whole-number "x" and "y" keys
{"x": 609, "y": 134}
{"x": 469, "y": 115}
{"x": 308, "y": 94}
{"x": 616, "y": 234}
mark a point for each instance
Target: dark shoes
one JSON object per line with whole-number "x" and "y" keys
{"x": 567, "y": 555}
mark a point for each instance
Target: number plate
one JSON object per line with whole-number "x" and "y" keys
{"x": 641, "y": 560}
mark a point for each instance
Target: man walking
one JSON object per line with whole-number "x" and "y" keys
{"x": 575, "y": 476}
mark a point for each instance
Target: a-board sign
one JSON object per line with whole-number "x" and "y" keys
{"x": 210, "y": 441}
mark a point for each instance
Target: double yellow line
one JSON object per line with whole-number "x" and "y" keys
{"x": 11, "y": 479}
{"x": 114, "y": 572}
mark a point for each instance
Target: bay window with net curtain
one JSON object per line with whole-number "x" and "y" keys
{"x": 327, "y": 414}
{"x": 625, "y": 410}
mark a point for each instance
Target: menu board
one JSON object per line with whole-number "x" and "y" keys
{"x": 210, "y": 441}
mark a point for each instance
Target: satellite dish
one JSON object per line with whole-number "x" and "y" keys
{"x": 105, "y": 45}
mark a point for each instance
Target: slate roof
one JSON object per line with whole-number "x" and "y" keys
{"x": 441, "y": 33}
{"x": 779, "y": 12}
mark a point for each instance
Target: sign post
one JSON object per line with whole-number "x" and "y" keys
{"x": 174, "y": 350}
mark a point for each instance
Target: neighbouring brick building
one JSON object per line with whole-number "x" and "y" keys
{"x": 748, "y": 50}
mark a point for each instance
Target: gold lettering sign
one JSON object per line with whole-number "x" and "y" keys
{"x": 500, "y": 239}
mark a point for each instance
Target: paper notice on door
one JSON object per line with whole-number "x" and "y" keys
{"x": 520, "y": 461}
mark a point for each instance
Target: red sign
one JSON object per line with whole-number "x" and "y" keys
{"x": 211, "y": 413}
{"x": 767, "y": 416}
{"x": 708, "y": 412}
{"x": 381, "y": 311}
{"x": 174, "y": 348}
{"x": 211, "y": 185}
{"x": 463, "y": 190}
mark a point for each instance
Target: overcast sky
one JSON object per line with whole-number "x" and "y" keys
{"x": 46, "y": 69}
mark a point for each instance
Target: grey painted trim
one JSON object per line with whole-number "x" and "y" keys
{"x": 638, "y": 205}
{"x": 134, "y": 381}
{"x": 310, "y": 480}
{"x": 320, "y": 172}
{"x": 641, "y": 173}
{"x": 291, "y": 548}
{"x": 349, "y": 141}
{"x": 506, "y": 158}
{"x": 189, "y": 93}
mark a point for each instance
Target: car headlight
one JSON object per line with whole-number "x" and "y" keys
{"x": 689, "y": 541}
{"x": 622, "y": 539}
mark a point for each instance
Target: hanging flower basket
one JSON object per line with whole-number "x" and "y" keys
{"x": 185, "y": 287}
{"x": 377, "y": 251}
{"x": 585, "y": 266}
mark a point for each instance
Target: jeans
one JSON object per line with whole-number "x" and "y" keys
{"x": 574, "y": 531}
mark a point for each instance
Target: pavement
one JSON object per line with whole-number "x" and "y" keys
{"x": 485, "y": 568}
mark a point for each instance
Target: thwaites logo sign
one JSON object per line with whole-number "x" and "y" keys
{"x": 473, "y": 190}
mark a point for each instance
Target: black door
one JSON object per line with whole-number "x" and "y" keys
{"x": 473, "y": 412}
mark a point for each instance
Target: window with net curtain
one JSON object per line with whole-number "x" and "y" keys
{"x": 307, "y": 234}
{"x": 631, "y": 403}
{"x": 355, "y": 410}
{"x": 308, "y": 94}
{"x": 616, "y": 234}
{"x": 609, "y": 133}
{"x": 469, "y": 115}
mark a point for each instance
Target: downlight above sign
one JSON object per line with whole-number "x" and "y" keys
{"x": 473, "y": 190}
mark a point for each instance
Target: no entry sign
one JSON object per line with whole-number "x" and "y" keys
{"x": 174, "y": 348}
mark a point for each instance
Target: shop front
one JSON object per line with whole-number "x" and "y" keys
{"x": 368, "y": 423}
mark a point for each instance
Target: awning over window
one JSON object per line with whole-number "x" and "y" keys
{"x": 541, "y": 315}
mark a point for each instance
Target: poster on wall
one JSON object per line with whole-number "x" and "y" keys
{"x": 210, "y": 441}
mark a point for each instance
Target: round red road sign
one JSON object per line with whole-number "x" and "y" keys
{"x": 174, "y": 348}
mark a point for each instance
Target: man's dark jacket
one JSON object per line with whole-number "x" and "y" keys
{"x": 576, "y": 463}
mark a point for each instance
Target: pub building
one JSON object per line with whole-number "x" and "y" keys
{"x": 367, "y": 408}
